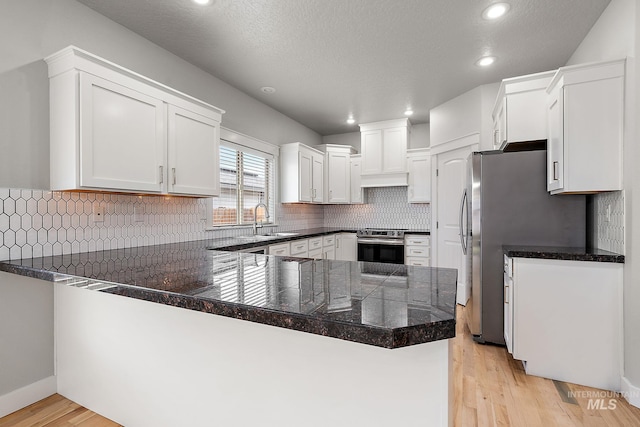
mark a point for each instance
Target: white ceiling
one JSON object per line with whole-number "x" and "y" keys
{"x": 370, "y": 58}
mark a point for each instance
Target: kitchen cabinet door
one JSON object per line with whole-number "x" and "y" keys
{"x": 339, "y": 177}
{"x": 122, "y": 135}
{"x": 371, "y": 146}
{"x": 394, "y": 149}
{"x": 346, "y": 247}
{"x": 419, "y": 168}
{"x": 317, "y": 178}
{"x": 305, "y": 176}
{"x": 585, "y": 126}
{"x": 194, "y": 151}
{"x": 356, "y": 192}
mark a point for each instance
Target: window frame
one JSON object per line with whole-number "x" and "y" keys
{"x": 253, "y": 146}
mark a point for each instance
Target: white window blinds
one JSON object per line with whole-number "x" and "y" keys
{"x": 246, "y": 179}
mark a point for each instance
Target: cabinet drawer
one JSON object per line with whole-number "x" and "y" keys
{"x": 315, "y": 243}
{"x": 299, "y": 247}
{"x": 281, "y": 249}
{"x": 417, "y": 251}
{"x": 315, "y": 253}
{"x": 418, "y": 261}
{"x": 329, "y": 240}
{"x": 417, "y": 240}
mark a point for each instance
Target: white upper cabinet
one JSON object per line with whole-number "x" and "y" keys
{"x": 191, "y": 153}
{"x": 357, "y": 192}
{"x": 115, "y": 130}
{"x": 337, "y": 172}
{"x": 419, "y": 167}
{"x": 122, "y": 139}
{"x": 519, "y": 113}
{"x": 585, "y": 110}
{"x": 301, "y": 174}
{"x": 384, "y": 150}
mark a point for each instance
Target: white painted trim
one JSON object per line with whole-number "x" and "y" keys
{"x": 630, "y": 392}
{"x": 454, "y": 144}
{"x": 27, "y": 395}
{"x": 386, "y": 124}
{"x": 463, "y": 293}
{"x": 248, "y": 141}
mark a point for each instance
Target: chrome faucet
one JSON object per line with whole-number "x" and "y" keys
{"x": 255, "y": 216}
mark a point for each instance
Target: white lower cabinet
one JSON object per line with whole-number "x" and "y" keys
{"x": 329, "y": 247}
{"x": 417, "y": 250}
{"x": 299, "y": 248}
{"x": 564, "y": 321}
{"x": 346, "y": 247}
{"x": 281, "y": 249}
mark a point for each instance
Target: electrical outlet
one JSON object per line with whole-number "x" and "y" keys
{"x": 98, "y": 213}
{"x": 608, "y": 213}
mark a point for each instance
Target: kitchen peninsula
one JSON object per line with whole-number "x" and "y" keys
{"x": 374, "y": 346}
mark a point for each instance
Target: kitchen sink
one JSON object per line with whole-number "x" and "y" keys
{"x": 256, "y": 237}
{"x": 282, "y": 234}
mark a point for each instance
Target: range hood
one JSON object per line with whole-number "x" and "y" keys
{"x": 537, "y": 144}
{"x": 385, "y": 180}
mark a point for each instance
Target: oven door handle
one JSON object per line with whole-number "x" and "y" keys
{"x": 389, "y": 242}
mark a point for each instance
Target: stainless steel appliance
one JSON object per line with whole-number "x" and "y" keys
{"x": 381, "y": 245}
{"x": 506, "y": 203}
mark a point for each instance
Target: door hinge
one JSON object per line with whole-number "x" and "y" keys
{"x": 437, "y": 224}
{"x": 437, "y": 172}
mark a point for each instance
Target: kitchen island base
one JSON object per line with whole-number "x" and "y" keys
{"x": 146, "y": 364}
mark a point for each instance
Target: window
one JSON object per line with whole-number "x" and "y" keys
{"x": 246, "y": 179}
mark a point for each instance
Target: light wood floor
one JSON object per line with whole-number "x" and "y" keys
{"x": 491, "y": 389}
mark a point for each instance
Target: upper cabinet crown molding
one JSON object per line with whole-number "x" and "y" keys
{"x": 74, "y": 58}
{"x": 112, "y": 129}
{"x": 385, "y": 124}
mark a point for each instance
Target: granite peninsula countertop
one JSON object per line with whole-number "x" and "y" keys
{"x": 563, "y": 253}
{"x": 384, "y": 305}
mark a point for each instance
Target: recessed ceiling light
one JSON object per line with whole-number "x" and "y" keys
{"x": 351, "y": 120}
{"x": 495, "y": 11}
{"x": 202, "y": 2}
{"x": 408, "y": 112}
{"x": 268, "y": 89}
{"x": 485, "y": 61}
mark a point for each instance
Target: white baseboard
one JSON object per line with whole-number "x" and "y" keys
{"x": 27, "y": 395}
{"x": 630, "y": 392}
{"x": 462, "y": 294}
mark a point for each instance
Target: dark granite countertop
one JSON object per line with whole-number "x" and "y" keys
{"x": 385, "y": 305}
{"x": 563, "y": 253}
{"x": 266, "y": 237}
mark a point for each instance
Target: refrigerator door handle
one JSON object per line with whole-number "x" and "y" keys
{"x": 463, "y": 242}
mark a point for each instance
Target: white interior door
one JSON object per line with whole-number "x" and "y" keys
{"x": 450, "y": 184}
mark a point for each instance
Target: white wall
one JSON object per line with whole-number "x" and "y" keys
{"x": 351, "y": 138}
{"x": 615, "y": 36}
{"x": 26, "y": 332}
{"x": 464, "y": 115}
{"x": 33, "y": 29}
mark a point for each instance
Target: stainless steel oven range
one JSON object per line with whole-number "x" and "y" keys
{"x": 381, "y": 245}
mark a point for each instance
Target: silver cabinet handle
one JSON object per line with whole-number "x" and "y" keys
{"x": 555, "y": 170}
{"x": 161, "y": 174}
{"x": 173, "y": 171}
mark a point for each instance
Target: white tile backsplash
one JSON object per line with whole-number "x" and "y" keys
{"x": 386, "y": 207}
{"x": 608, "y": 229}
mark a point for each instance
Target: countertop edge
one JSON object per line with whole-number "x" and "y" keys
{"x": 563, "y": 254}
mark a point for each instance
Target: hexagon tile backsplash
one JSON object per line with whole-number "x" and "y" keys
{"x": 35, "y": 223}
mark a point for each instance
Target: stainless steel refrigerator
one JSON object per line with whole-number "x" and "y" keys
{"x": 506, "y": 203}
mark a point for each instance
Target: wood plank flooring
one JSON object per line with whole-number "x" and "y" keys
{"x": 491, "y": 389}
